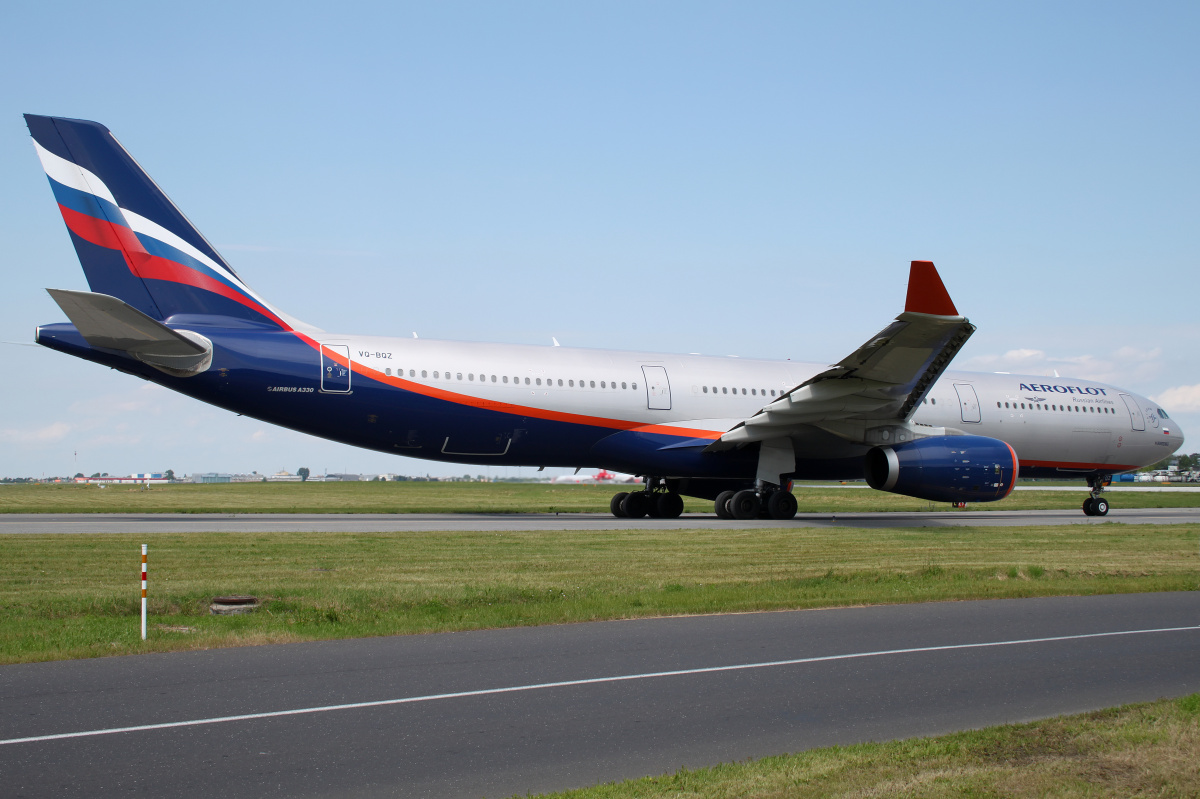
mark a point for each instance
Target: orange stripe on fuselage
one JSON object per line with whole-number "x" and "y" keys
{"x": 1100, "y": 467}
{"x": 507, "y": 407}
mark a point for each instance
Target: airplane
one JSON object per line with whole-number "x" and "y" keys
{"x": 166, "y": 307}
{"x": 602, "y": 476}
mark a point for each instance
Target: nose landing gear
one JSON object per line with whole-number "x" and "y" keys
{"x": 1096, "y": 505}
{"x": 656, "y": 501}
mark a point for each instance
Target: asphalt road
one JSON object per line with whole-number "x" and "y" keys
{"x": 503, "y": 522}
{"x": 501, "y": 712}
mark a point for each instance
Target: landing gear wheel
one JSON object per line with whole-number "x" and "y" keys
{"x": 635, "y": 505}
{"x": 721, "y": 505}
{"x": 615, "y": 504}
{"x": 1087, "y": 507}
{"x": 744, "y": 504}
{"x": 667, "y": 506}
{"x": 1099, "y": 506}
{"x": 782, "y": 505}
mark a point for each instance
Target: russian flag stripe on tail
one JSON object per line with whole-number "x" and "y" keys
{"x": 132, "y": 242}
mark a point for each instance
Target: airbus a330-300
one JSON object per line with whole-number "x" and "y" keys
{"x": 166, "y": 307}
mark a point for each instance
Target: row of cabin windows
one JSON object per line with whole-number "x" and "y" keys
{"x": 1041, "y": 407}
{"x": 726, "y": 390}
{"x": 536, "y": 381}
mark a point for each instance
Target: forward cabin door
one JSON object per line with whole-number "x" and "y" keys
{"x": 1135, "y": 413}
{"x": 335, "y": 368}
{"x": 968, "y": 401}
{"x": 658, "y": 389}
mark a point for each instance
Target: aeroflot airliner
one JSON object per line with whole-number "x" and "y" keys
{"x": 166, "y": 307}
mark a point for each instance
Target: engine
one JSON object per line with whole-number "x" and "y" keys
{"x": 945, "y": 469}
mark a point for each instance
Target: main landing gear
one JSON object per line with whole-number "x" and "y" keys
{"x": 1096, "y": 505}
{"x": 770, "y": 503}
{"x": 656, "y": 501}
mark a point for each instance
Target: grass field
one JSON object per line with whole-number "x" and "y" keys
{"x": 1137, "y": 750}
{"x": 412, "y": 497}
{"x": 77, "y": 596}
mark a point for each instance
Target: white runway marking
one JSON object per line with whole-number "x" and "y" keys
{"x": 588, "y": 681}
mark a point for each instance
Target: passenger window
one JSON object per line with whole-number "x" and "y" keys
{"x": 505, "y": 378}
{"x": 705, "y": 389}
{"x": 571, "y": 383}
{"x": 471, "y": 376}
{"x": 724, "y": 389}
{"x": 593, "y": 385}
{"x": 772, "y": 392}
{"x": 633, "y": 386}
{"x": 527, "y": 381}
{"x": 622, "y": 384}
{"x": 388, "y": 371}
{"x": 560, "y": 382}
{"x": 435, "y": 375}
{"x": 493, "y": 378}
{"x": 602, "y": 384}
{"x": 424, "y": 373}
{"x": 753, "y": 392}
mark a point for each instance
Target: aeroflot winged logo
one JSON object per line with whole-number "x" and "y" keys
{"x": 1056, "y": 389}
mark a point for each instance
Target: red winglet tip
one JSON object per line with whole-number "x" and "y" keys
{"x": 926, "y": 292}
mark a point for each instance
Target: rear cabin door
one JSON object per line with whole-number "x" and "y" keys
{"x": 335, "y": 368}
{"x": 968, "y": 401}
{"x": 658, "y": 389}
{"x": 1135, "y": 413}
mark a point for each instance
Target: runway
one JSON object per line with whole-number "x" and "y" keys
{"x": 503, "y": 712}
{"x": 505, "y": 522}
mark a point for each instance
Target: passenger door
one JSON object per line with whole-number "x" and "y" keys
{"x": 658, "y": 389}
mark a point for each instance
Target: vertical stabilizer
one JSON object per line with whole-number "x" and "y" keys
{"x": 132, "y": 242}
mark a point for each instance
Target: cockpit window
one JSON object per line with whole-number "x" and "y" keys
{"x": 1162, "y": 413}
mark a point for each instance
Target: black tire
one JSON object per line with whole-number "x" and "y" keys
{"x": 744, "y": 504}
{"x": 1100, "y": 506}
{"x": 721, "y": 505}
{"x": 668, "y": 505}
{"x": 615, "y": 504}
{"x": 1087, "y": 507}
{"x": 782, "y": 505}
{"x": 635, "y": 505}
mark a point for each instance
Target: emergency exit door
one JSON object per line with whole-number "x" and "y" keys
{"x": 968, "y": 401}
{"x": 335, "y": 368}
{"x": 658, "y": 389}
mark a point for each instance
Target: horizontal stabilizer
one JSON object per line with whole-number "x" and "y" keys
{"x": 108, "y": 323}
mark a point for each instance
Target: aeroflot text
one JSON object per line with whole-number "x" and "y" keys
{"x": 1063, "y": 389}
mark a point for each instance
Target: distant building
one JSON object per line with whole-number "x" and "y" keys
{"x": 212, "y": 477}
{"x": 142, "y": 478}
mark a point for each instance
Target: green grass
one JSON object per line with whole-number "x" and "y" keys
{"x": 412, "y": 497}
{"x": 1138, "y": 750}
{"x": 77, "y": 596}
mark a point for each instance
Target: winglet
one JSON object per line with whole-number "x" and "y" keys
{"x": 926, "y": 293}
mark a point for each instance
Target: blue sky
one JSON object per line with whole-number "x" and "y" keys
{"x": 727, "y": 178}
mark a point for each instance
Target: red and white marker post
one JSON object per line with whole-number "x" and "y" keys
{"x": 143, "y": 592}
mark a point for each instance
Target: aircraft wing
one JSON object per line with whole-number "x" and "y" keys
{"x": 881, "y": 382}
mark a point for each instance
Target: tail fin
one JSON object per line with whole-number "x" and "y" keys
{"x": 132, "y": 242}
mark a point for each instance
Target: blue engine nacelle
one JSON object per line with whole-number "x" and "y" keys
{"x": 945, "y": 469}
